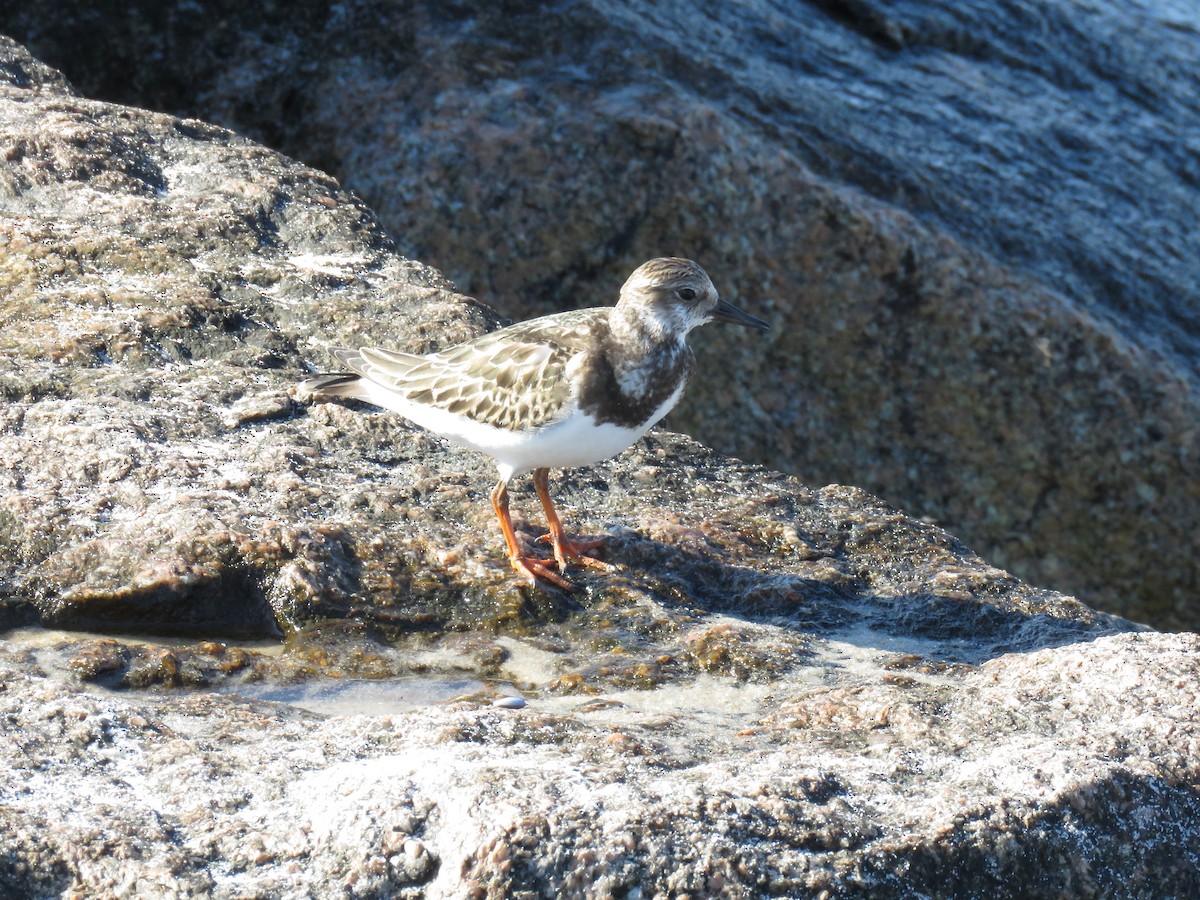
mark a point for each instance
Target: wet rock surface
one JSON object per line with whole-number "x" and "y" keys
{"x": 867, "y": 772}
{"x": 774, "y": 689}
{"x": 973, "y": 224}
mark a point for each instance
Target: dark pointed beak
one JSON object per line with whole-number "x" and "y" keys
{"x": 727, "y": 312}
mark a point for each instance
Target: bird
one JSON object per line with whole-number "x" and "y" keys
{"x": 561, "y": 391}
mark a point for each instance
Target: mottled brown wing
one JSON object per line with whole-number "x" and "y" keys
{"x": 514, "y": 378}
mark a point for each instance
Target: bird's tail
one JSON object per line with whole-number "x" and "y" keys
{"x": 334, "y": 384}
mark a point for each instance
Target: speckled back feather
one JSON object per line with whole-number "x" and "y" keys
{"x": 514, "y": 378}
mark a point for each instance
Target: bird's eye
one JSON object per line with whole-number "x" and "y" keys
{"x": 687, "y": 294}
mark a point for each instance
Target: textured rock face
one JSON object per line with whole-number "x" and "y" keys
{"x": 774, "y": 689}
{"x": 156, "y": 274}
{"x": 974, "y": 224}
{"x": 1068, "y": 772}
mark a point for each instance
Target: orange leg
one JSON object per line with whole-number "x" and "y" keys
{"x": 564, "y": 548}
{"x": 528, "y": 567}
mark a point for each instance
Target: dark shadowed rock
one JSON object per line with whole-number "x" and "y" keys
{"x": 974, "y": 224}
{"x": 774, "y": 690}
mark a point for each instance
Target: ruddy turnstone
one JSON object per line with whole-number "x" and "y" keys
{"x": 564, "y": 390}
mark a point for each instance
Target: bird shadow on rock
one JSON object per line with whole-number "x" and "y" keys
{"x": 998, "y": 616}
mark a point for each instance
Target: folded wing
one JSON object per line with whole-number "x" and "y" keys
{"x": 515, "y": 378}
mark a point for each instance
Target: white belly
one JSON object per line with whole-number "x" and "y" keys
{"x": 574, "y": 441}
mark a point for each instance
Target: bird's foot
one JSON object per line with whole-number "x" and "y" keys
{"x": 576, "y": 551}
{"x": 531, "y": 568}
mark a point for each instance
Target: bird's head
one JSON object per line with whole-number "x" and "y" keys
{"x": 668, "y": 297}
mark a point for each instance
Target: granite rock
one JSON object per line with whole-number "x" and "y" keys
{"x": 974, "y": 224}
{"x": 867, "y": 773}
{"x": 773, "y": 688}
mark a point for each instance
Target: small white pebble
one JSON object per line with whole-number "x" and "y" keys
{"x": 509, "y": 702}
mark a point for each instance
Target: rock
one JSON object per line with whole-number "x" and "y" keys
{"x": 158, "y": 476}
{"x": 863, "y": 772}
{"x": 972, "y": 223}
{"x": 164, "y": 282}
{"x": 774, "y": 689}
